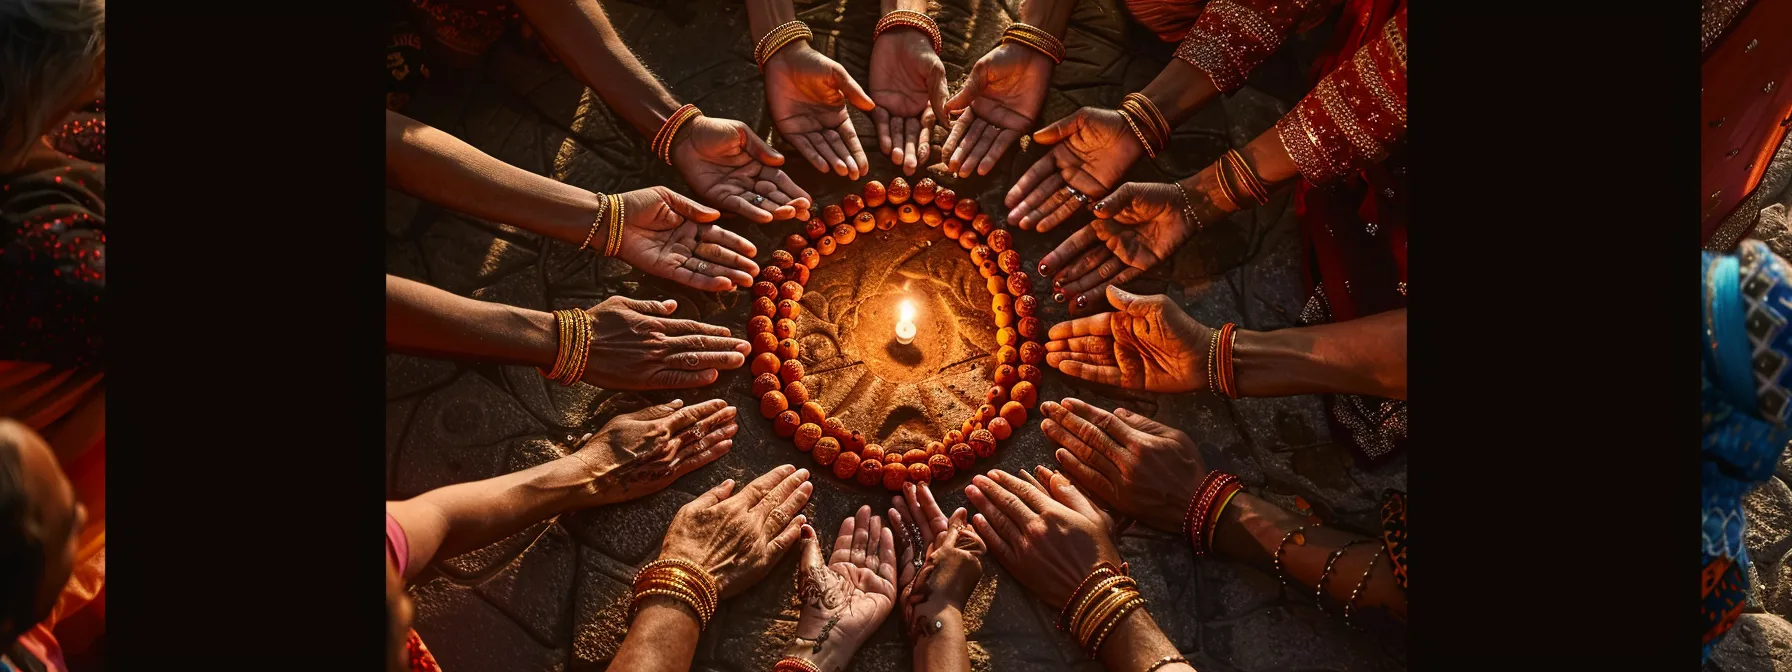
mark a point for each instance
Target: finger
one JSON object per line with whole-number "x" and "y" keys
{"x": 837, "y": 142}
{"x": 972, "y": 86}
{"x": 896, "y": 521}
{"x": 740, "y": 205}
{"x": 703, "y": 268}
{"x": 1027, "y": 476}
{"x": 689, "y": 415}
{"x": 688, "y": 208}
{"x": 676, "y": 379}
{"x": 861, "y": 535}
{"x": 1112, "y": 427}
{"x": 1085, "y": 476}
{"x": 799, "y": 526}
{"x": 1077, "y": 417}
{"x": 966, "y": 144}
{"x": 1035, "y": 498}
{"x": 1058, "y": 130}
{"x": 1057, "y": 216}
{"x": 1090, "y": 299}
{"x": 1115, "y": 202}
{"x": 843, "y": 541}
{"x": 1072, "y": 248}
{"x": 959, "y": 127}
{"x": 657, "y": 411}
{"x": 973, "y": 158}
{"x": 1035, "y": 176}
{"x": 993, "y": 539}
{"x": 1093, "y": 345}
{"x": 789, "y": 186}
{"x": 695, "y": 328}
{"x": 886, "y": 559}
{"x": 756, "y": 490}
{"x": 758, "y": 147}
{"x": 1065, "y": 492}
{"x": 732, "y": 241}
{"x": 874, "y": 542}
{"x": 881, "y": 119}
{"x": 1099, "y": 324}
{"x": 1048, "y": 202}
{"x": 923, "y": 136}
{"x": 703, "y": 359}
{"x": 1056, "y": 359}
{"x": 1099, "y": 374}
{"x": 782, "y": 490}
{"x": 854, "y": 95}
{"x": 936, "y": 77}
{"x": 780, "y": 516}
{"x": 910, "y": 135}
{"x": 1055, "y": 431}
{"x": 930, "y": 510}
{"x": 1003, "y": 499}
{"x": 661, "y": 308}
{"x": 831, "y": 150}
{"x": 711, "y": 446}
{"x": 1142, "y": 423}
{"x": 856, "y": 150}
{"x": 997, "y": 150}
{"x": 715, "y": 253}
{"x": 806, "y": 148}
{"x": 1078, "y": 275}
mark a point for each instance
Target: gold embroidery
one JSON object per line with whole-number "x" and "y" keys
{"x": 1339, "y": 110}
{"x": 1253, "y": 24}
{"x": 1371, "y": 76}
{"x": 1391, "y": 33}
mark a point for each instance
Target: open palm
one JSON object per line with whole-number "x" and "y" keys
{"x": 845, "y": 600}
{"x": 807, "y": 93}
{"x": 1147, "y": 343}
{"x": 670, "y": 236}
{"x": 1091, "y": 151}
{"x": 1137, "y": 227}
{"x": 729, "y": 166}
{"x": 908, "y": 83}
{"x": 1002, "y": 100}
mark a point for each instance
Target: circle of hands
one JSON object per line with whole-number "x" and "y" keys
{"x": 845, "y": 595}
{"x": 941, "y": 558}
{"x": 643, "y": 347}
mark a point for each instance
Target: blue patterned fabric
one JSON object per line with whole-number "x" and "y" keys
{"x": 1747, "y": 302}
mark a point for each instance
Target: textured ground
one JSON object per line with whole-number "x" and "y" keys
{"x": 553, "y": 596}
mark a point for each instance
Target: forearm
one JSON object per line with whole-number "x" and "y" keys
{"x": 1265, "y": 156}
{"x": 887, "y": 6}
{"x": 1179, "y": 91}
{"x": 1251, "y": 529}
{"x": 424, "y": 320}
{"x": 662, "y": 637}
{"x": 454, "y": 519}
{"x": 1361, "y": 356}
{"x": 1052, "y": 16}
{"x": 581, "y": 35}
{"x": 437, "y": 167}
{"x": 1136, "y": 643}
{"x": 943, "y": 649}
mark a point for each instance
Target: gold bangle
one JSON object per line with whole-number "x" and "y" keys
{"x": 777, "y": 37}
{"x": 681, "y": 584}
{"x": 662, "y": 139}
{"x": 1219, "y": 169}
{"x": 581, "y": 348}
{"x": 1153, "y": 116}
{"x": 1080, "y": 594}
{"x": 602, "y": 201}
{"x": 560, "y": 354}
{"x": 709, "y": 581}
{"x": 618, "y": 220}
{"x": 1100, "y": 613}
{"x": 1250, "y": 179}
{"x": 1095, "y": 597}
{"x": 1213, "y": 521}
{"x": 1113, "y": 621}
{"x": 912, "y": 19}
{"x": 1141, "y": 136}
{"x": 794, "y": 664}
{"x": 1035, "y": 38}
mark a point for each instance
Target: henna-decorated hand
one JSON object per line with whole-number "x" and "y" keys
{"x": 1049, "y": 542}
{"x": 671, "y": 236}
{"x": 908, "y": 83}
{"x": 640, "y": 453}
{"x": 1136, "y": 227}
{"x": 1142, "y": 468}
{"x": 738, "y": 536}
{"x": 847, "y": 595}
{"x": 954, "y": 563}
{"x": 1092, "y": 149}
{"x": 730, "y": 167}
{"x": 1147, "y": 344}
{"x": 636, "y": 346}
{"x": 1001, "y": 101}
{"x": 808, "y": 94}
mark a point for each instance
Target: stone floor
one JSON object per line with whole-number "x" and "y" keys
{"x": 553, "y": 596}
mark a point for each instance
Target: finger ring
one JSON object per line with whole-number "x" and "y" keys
{"x": 1107, "y": 270}
{"x": 1078, "y": 195}
{"x": 702, "y": 265}
{"x": 758, "y": 198}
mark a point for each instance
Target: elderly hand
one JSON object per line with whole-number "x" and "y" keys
{"x": 738, "y": 536}
{"x": 669, "y": 236}
{"x": 731, "y": 168}
{"x": 954, "y": 563}
{"x": 640, "y": 453}
{"x": 808, "y": 94}
{"x": 1140, "y": 467}
{"x": 1048, "y": 541}
{"x": 1002, "y": 99}
{"x": 845, "y": 597}
{"x": 1137, "y": 227}
{"x": 635, "y": 346}
{"x": 908, "y": 83}
{"x": 1092, "y": 149}
{"x": 1147, "y": 344}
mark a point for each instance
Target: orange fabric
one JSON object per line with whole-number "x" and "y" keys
{"x": 1745, "y": 100}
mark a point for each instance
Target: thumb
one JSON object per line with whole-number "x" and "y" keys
{"x": 659, "y": 308}
{"x": 972, "y": 87}
{"x": 1121, "y": 298}
{"x": 1067, "y": 494}
{"x": 850, "y": 87}
{"x": 714, "y": 495}
{"x": 1116, "y": 202}
{"x": 810, "y": 547}
{"x": 688, "y": 208}
{"x": 938, "y": 97}
{"x": 757, "y": 146}
{"x": 1050, "y": 135}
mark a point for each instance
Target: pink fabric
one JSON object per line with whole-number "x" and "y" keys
{"x": 398, "y": 546}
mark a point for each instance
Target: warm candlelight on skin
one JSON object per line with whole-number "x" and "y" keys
{"x": 905, "y": 324}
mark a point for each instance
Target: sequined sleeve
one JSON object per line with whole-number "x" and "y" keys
{"x": 1233, "y": 36}
{"x": 53, "y": 270}
{"x": 1356, "y": 111}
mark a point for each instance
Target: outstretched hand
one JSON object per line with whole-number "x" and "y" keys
{"x": 1000, "y": 102}
{"x": 808, "y": 94}
{"x": 1091, "y": 150}
{"x": 844, "y": 596}
{"x": 670, "y": 236}
{"x": 1147, "y": 343}
{"x": 636, "y": 345}
{"x": 908, "y": 83}
{"x": 1143, "y": 468}
{"x": 640, "y": 453}
{"x": 733, "y": 169}
{"x": 1136, "y": 227}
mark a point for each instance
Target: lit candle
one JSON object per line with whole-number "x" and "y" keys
{"x": 905, "y": 325}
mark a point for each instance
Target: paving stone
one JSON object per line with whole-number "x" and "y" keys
{"x": 407, "y": 375}
{"x": 459, "y": 433}
{"x": 467, "y": 633}
{"x": 536, "y": 589}
{"x": 1290, "y": 638}
{"x": 600, "y": 610}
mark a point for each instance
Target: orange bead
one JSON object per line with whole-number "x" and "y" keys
{"x": 788, "y": 349}
{"x": 873, "y": 452}
{"x": 772, "y": 404}
{"x": 813, "y": 414}
{"x": 760, "y": 324}
{"x": 907, "y": 213}
{"x": 844, "y": 234}
{"x": 784, "y": 328}
{"x": 942, "y": 467}
{"x": 894, "y": 476}
{"x": 826, "y": 450}
{"x": 806, "y": 436}
{"x": 871, "y": 473}
{"x": 1025, "y": 394}
{"x": 832, "y": 215}
{"x": 786, "y": 424}
{"x": 791, "y": 291}
{"x": 826, "y": 245}
{"x": 966, "y": 208}
{"x": 788, "y": 309}
{"x": 963, "y": 456}
{"x": 1014, "y": 412}
{"x": 865, "y": 221}
{"x": 983, "y": 442}
{"x": 920, "y": 473}
{"x": 875, "y": 195}
{"x": 783, "y": 259}
{"x": 945, "y": 199}
{"x": 796, "y": 392}
{"x": 764, "y": 342}
{"x": 1000, "y": 428}
{"x": 852, "y": 204}
{"x": 886, "y": 217}
{"x": 925, "y": 190}
{"x": 766, "y": 362}
{"x": 899, "y": 191}
{"x": 836, "y": 428}
{"x": 764, "y": 383}
{"x": 846, "y": 466}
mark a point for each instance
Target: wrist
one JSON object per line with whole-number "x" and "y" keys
{"x": 828, "y": 659}
{"x": 887, "y": 6}
{"x": 538, "y": 342}
{"x": 930, "y": 619}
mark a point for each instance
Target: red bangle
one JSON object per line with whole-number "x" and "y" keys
{"x": 1194, "y": 526}
{"x": 1228, "y": 386}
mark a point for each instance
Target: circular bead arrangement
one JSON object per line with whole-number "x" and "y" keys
{"x": 778, "y": 375}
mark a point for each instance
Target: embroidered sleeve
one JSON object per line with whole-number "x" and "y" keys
{"x": 53, "y": 269}
{"x": 1234, "y": 36}
{"x": 1355, "y": 112}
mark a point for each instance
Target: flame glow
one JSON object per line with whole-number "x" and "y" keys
{"x": 908, "y": 311}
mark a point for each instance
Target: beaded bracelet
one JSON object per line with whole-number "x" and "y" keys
{"x": 662, "y": 140}
{"x": 912, "y": 19}
{"x": 1081, "y": 595}
{"x": 1151, "y": 115}
{"x": 1035, "y": 38}
{"x": 1299, "y": 535}
{"x": 1331, "y": 561}
{"x": 777, "y": 38}
{"x": 618, "y": 220}
{"x": 603, "y": 203}
{"x": 1188, "y": 207}
{"x": 794, "y": 664}
{"x": 1213, "y": 352}
{"x": 1127, "y": 115}
{"x": 1168, "y": 660}
{"x": 1358, "y": 590}
{"x": 1195, "y": 525}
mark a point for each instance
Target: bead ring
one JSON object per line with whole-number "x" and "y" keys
{"x": 702, "y": 265}
{"x": 758, "y": 198}
{"x": 1078, "y": 195}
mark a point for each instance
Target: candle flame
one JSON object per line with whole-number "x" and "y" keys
{"x": 908, "y": 311}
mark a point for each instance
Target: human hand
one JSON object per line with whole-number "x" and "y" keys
{"x": 844, "y": 596}
{"x": 1091, "y": 150}
{"x": 808, "y": 93}
{"x": 1049, "y": 542}
{"x": 954, "y": 563}
{"x": 1143, "y": 469}
{"x": 916, "y": 520}
{"x": 732, "y": 168}
{"x": 738, "y": 536}
{"x": 1002, "y": 99}
{"x": 1147, "y": 343}
{"x": 670, "y": 236}
{"x": 640, "y": 453}
{"x": 908, "y": 83}
{"x": 636, "y": 346}
{"x": 1137, "y": 227}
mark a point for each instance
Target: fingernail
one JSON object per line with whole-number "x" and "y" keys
{"x": 802, "y": 473}
{"x": 1058, "y": 297}
{"x": 1042, "y": 270}
{"x": 807, "y": 533}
